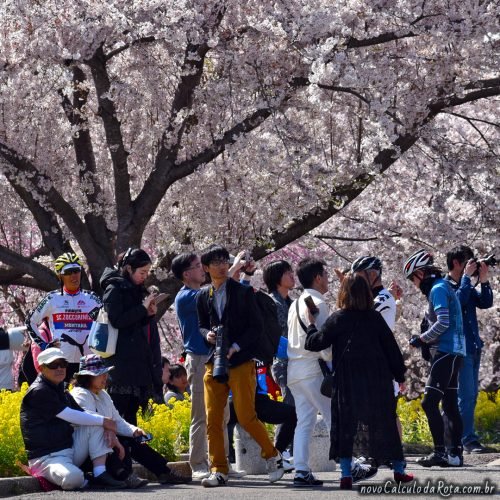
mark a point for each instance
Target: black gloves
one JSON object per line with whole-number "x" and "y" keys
{"x": 416, "y": 342}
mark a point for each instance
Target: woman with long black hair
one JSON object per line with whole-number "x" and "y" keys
{"x": 132, "y": 310}
{"x": 366, "y": 358}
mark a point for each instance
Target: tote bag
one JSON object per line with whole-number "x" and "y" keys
{"x": 103, "y": 336}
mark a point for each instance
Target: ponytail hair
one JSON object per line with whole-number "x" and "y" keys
{"x": 133, "y": 257}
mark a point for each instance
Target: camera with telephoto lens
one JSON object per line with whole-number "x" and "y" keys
{"x": 489, "y": 260}
{"x": 221, "y": 369}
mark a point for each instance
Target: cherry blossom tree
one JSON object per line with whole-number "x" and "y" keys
{"x": 174, "y": 124}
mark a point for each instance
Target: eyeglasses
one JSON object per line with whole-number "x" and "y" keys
{"x": 197, "y": 266}
{"x": 61, "y": 363}
{"x": 68, "y": 272}
{"x": 219, "y": 262}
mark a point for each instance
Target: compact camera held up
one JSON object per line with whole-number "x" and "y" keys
{"x": 221, "y": 368}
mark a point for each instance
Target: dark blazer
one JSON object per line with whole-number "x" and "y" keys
{"x": 133, "y": 360}
{"x": 241, "y": 319}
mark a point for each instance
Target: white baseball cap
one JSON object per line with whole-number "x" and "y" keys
{"x": 51, "y": 354}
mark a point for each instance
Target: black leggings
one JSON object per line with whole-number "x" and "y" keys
{"x": 141, "y": 453}
{"x": 442, "y": 386}
{"x": 270, "y": 411}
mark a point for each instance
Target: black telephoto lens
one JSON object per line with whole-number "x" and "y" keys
{"x": 221, "y": 371}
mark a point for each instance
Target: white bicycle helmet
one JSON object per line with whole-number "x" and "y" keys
{"x": 419, "y": 260}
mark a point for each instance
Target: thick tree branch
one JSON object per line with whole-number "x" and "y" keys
{"x": 22, "y": 266}
{"x": 50, "y": 230}
{"x": 25, "y": 178}
{"x": 85, "y": 157}
{"x": 179, "y": 123}
{"x": 29, "y": 282}
{"x": 342, "y": 195}
{"x": 391, "y": 36}
{"x": 483, "y": 84}
{"x": 457, "y": 100}
{"x": 146, "y": 205}
{"x": 344, "y": 238}
{"x": 114, "y": 137}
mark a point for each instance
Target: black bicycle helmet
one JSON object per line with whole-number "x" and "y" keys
{"x": 366, "y": 263}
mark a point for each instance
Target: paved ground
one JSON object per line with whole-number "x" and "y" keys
{"x": 475, "y": 472}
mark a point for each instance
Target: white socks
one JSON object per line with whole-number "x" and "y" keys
{"x": 99, "y": 469}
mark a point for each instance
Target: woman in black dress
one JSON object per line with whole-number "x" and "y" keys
{"x": 366, "y": 358}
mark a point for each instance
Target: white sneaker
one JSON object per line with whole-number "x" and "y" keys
{"x": 215, "y": 479}
{"x": 454, "y": 460}
{"x": 274, "y": 466}
{"x": 236, "y": 474}
{"x": 197, "y": 475}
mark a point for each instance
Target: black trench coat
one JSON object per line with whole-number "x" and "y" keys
{"x": 366, "y": 358}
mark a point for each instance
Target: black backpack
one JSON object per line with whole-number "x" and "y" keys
{"x": 271, "y": 333}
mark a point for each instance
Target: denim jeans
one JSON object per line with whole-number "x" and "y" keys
{"x": 468, "y": 387}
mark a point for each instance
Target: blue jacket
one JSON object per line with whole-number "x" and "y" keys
{"x": 470, "y": 299}
{"x": 187, "y": 316}
{"x": 443, "y": 296}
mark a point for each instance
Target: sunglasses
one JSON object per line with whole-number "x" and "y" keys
{"x": 61, "y": 363}
{"x": 68, "y": 272}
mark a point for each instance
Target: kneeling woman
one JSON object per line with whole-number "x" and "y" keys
{"x": 89, "y": 392}
{"x": 366, "y": 358}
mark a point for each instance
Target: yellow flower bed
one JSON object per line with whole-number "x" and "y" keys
{"x": 413, "y": 421}
{"x": 11, "y": 440}
{"x": 416, "y": 428}
{"x": 170, "y": 427}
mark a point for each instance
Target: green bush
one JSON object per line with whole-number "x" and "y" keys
{"x": 487, "y": 416}
{"x": 416, "y": 429}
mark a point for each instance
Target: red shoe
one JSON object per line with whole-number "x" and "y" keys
{"x": 403, "y": 478}
{"x": 346, "y": 483}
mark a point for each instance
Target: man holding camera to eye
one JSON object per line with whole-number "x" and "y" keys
{"x": 230, "y": 322}
{"x": 462, "y": 266}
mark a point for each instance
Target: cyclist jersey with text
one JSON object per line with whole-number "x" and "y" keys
{"x": 68, "y": 319}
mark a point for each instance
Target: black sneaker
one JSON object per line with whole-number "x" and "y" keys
{"x": 133, "y": 481}
{"x": 304, "y": 479}
{"x": 360, "y": 472}
{"x": 434, "y": 459}
{"x": 475, "y": 448}
{"x": 107, "y": 481}
{"x": 172, "y": 477}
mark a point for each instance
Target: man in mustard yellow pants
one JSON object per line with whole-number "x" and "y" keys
{"x": 230, "y": 322}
